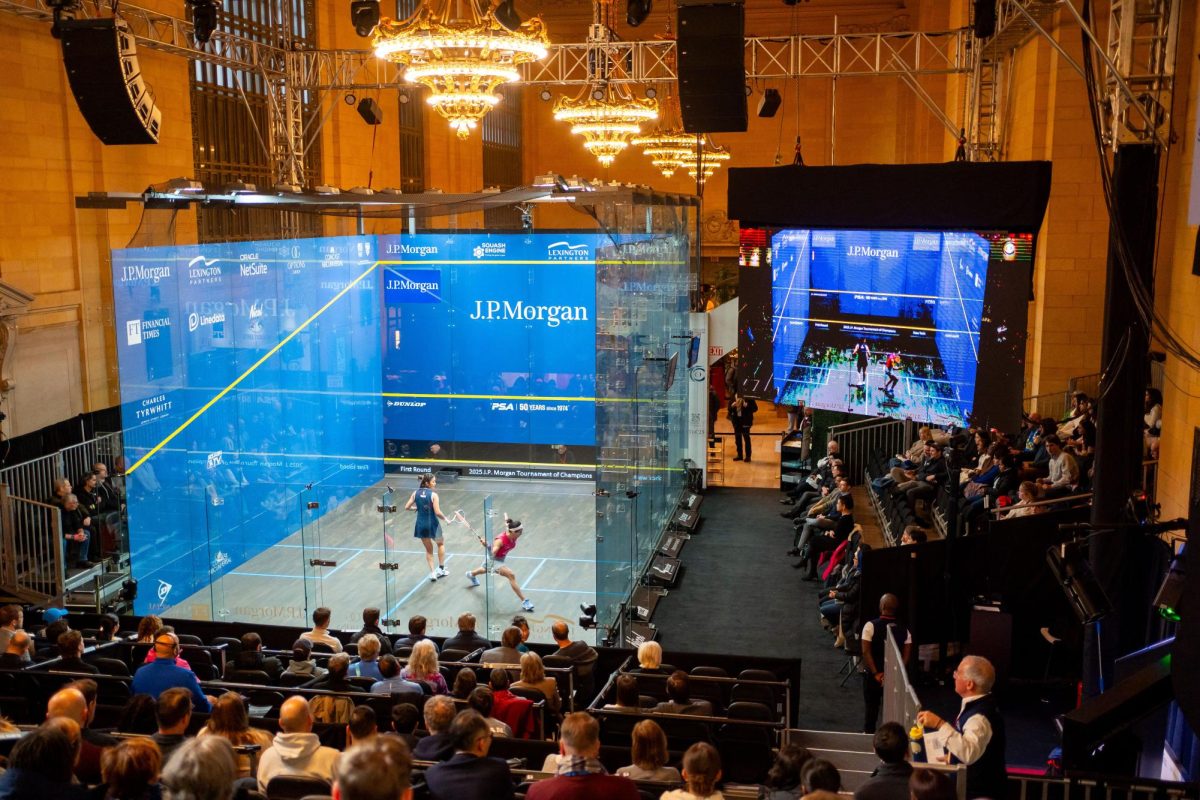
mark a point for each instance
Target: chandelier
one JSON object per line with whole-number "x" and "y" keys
{"x": 461, "y": 55}
{"x": 607, "y": 119}
{"x": 670, "y": 148}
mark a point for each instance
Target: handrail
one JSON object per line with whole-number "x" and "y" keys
{"x": 31, "y": 548}
{"x": 1049, "y": 502}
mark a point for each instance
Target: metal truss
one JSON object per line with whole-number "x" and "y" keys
{"x": 650, "y": 62}
{"x": 156, "y": 31}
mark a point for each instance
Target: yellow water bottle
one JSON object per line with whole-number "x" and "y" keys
{"x": 916, "y": 743}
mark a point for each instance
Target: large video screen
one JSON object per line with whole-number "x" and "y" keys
{"x": 250, "y": 389}
{"x": 490, "y": 352}
{"x": 921, "y": 325}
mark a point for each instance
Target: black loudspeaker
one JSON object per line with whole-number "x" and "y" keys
{"x": 712, "y": 66}
{"x": 985, "y": 18}
{"x": 102, "y": 68}
{"x": 370, "y": 111}
{"x": 769, "y": 103}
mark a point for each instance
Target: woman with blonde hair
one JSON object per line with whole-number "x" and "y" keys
{"x": 650, "y": 755}
{"x": 701, "y": 771}
{"x": 533, "y": 678}
{"x": 649, "y": 656}
{"x": 230, "y": 721}
{"x": 423, "y": 666}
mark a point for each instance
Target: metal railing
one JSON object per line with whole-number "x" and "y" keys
{"x": 1055, "y": 404}
{"x": 34, "y": 480}
{"x": 859, "y": 441}
{"x": 1083, "y": 498}
{"x": 32, "y": 562}
{"x": 1098, "y": 787}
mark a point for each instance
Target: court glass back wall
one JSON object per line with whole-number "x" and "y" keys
{"x": 490, "y": 353}
{"x": 250, "y": 386}
{"x": 928, "y": 326}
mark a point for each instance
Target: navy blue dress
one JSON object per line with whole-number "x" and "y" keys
{"x": 427, "y": 526}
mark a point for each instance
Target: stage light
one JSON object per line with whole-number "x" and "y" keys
{"x": 506, "y": 14}
{"x": 546, "y": 95}
{"x": 1069, "y": 565}
{"x": 204, "y": 19}
{"x": 350, "y": 98}
{"x": 365, "y": 16}
{"x": 636, "y": 11}
{"x": 651, "y": 92}
{"x": 588, "y": 620}
{"x": 1171, "y": 591}
{"x": 240, "y": 187}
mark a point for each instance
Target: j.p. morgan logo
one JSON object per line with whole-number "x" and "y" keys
{"x": 565, "y": 251}
{"x": 881, "y": 253}
{"x": 412, "y": 286}
{"x": 195, "y": 320}
{"x": 490, "y": 250}
{"x": 140, "y": 273}
{"x": 203, "y": 271}
{"x": 405, "y": 249}
{"x": 552, "y": 316}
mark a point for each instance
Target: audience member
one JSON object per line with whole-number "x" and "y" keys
{"x": 390, "y": 681}
{"x": 679, "y": 698}
{"x": 147, "y": 627}
{"x": 302, "y": 662}
{"x": 179, "y": 660}
{"x": 580, "y": 775}
{"x": 251, "y": 658}
{"x": 230, "y": 721}
{"x": 70, "y": 704}
{"x": 200, "y": 769}
{"x": 437, "y": 746}
{"x": 627, "y": 695}
{"x": 416, "y": 632}
{"x": 507, "y": 652}
{"x": 174, "y": 714}
{"x": 465, "y": 681}
{"x": 516, "y": 712}
{"x": 296, "y": 750}
{"x": 320, "y": 632}
{"x": 1152, "y": 421}
{"x": 649, "y": 655}
{"x": 46, "y": 640}
{"x": 138, "y": 716}
{"x": 380, "y": 769}
{"x": 77, "y": 531}
{"x": 70, "y": 655}
{"x": 839, "y": 609}
{"x": 405, "y": 719}
{"x": 370, "y": 618}
{"x": 481, "y": 701}
{"x": 581, "y": 654}
{"x": 701, "y": 771}
{"x": 59, "y": 489}
{"x": 423, "y": 666}
{"x": 930, "y": 784}
{"x": 466, "y": 639}
{"x": 362, "y": 725}
{"x": 163, "y": 673}
{"x": 109, "y": 625}
{"x": 12, "y": 619}
{"x": 819, "y": 542}
{"x": 522, "y": 624}
{"x": 913, "y": 534}
{"x": 1027, "y": 495}
{"x": 40, "y": 766}
{"x": 889, "y": 781}
{"x": 16, "y": 653}
{"x": 367, "y": 665}
{"x": 1064, "y": 471}
{"x": 784, "y": 777}
{"x": 929, "y": 476}
{"x": 649, "y": 755}
{"x": 874, "y": 645}
{"x": 820, "y": 776}
{"x": 129, "y": 770}
{"x": 469, "y": 774}
{"x": 533, "y": 678}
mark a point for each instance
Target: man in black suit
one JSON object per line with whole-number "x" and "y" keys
{"x": 889, "y": 781}
{"x": 416, "y": 632}
{"x": 371, "y": 625}
{"x": 70, "y": 655}
{"x": 829, "y": 540}
{"x": 470, "y": 774}
{"x": 466, "y": 638}
{"x": 437, "y": 746}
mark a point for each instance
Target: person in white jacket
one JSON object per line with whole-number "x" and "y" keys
{"x": 296, "y": 750}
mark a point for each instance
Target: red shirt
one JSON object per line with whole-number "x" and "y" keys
{"x": 505, "y": 546}
{"x": 584, "y": 787}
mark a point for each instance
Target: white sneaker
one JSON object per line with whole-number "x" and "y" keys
{"x": 527, "y": 604}
{"x": 441, "y": 572}
{"x": 433, "y": 576}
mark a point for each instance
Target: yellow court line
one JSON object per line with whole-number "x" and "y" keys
{"x": 246, "y": 374}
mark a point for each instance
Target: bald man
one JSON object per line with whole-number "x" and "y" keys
{"x": 16, "y": 654}
{"x": 296, "y": 750}
{"x": 976, "y": 737}
{"x": 163, "y": 673}
{"x": 70, "y": 705}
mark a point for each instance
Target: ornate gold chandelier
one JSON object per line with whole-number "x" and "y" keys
{"x": 461, "y": 55}
{"x": 670, "y": 148}
{"x": 607, "y": 118}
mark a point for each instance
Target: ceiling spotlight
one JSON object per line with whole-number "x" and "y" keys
{"x": 546, "y": 95}
{"x": 597, "y": 94}
{"x": 404, "y": 98}
{"x": 365, "y": 16}
{"x": 350, "y": 98}
{"x": 651, "y": 92}
{"x": 204, "y": 19}
{"x": 636, "y": 11}
{"x": 506, "y": 14}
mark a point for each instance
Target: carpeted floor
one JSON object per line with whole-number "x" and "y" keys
{"x": 739, "y": 595}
